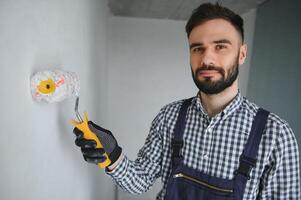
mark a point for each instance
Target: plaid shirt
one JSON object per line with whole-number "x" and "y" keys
{"x": 213, "y": 146}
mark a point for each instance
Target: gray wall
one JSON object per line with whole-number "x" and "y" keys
{"x": 148, "y": 67}
{"x": 38, "y": 157}
{"x": 274, "y": 80}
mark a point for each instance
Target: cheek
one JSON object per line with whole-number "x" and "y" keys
{"x": 195, "y": 61}
{"x": 228, "y": 61}
{"x": 230, "y": 66}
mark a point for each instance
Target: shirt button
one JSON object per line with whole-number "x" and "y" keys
{"x": 209, "y": 130}
{"x": 205, "y": 156}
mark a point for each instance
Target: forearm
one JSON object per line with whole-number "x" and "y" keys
{"x": 133, "y": 176}
{"x": 139, "y": 175}
{"x": 115, "y": 164}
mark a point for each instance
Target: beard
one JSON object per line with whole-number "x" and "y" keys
{"x": 208, "y": 86}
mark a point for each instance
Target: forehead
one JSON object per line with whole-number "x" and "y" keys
{"x": 213, "y": 30}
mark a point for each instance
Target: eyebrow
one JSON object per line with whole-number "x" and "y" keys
{"x": 222, "y": 41}
{"x": 196, "y": 44}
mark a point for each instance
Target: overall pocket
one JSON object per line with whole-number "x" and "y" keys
{"x": 193, "y": 186}
{"x": 203, "y": 183}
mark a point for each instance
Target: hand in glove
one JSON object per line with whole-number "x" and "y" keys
{"x": 88, "y": 147}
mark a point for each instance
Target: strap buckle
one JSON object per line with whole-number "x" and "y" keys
{"x": 246, "y": 165}
{"x": 176, "y": 148}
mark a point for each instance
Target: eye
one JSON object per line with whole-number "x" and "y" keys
{"x": 198, "y": 50}
{"x": 220, "y": 46}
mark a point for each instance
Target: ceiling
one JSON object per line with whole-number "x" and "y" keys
{"x": 173, "y": 9}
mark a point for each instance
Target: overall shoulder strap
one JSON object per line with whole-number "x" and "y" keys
{"x": 177, "y": 141}
{"x": 249, "y": 156}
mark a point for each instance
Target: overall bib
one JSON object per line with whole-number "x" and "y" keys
{"x": 189, "y": 184}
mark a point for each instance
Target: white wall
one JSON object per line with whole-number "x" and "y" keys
{"x": 38, "y": 157}
{"x": 149, "y": 67}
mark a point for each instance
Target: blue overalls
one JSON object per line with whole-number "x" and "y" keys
{"x": 189, "y": 184}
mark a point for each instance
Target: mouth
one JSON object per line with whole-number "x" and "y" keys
{"x": 208, "y": 73}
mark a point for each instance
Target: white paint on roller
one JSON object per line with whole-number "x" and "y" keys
{"x": 65, "y": 84}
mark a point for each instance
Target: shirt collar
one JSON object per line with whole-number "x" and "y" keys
{"x": 230, "y": 108}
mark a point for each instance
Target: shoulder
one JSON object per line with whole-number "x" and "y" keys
{"x": 273, "y": 118}
{"x": 168, "y": 113}
{"x": 172, "y": 107}
{"x": 276, "y": 127}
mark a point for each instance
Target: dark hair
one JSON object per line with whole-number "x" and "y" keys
{"x": 208, "y": 11}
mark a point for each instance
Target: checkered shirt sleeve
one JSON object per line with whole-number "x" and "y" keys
{"x": 139, "y": 175}
{"x": 281, "y": 177}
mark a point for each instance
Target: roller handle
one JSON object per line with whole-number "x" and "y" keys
{"x": 89, "y": 135}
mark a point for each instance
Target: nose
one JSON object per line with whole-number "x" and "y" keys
{"x": 208, "y": 57}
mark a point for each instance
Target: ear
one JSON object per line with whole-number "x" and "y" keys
{"x": 242, "y": 54}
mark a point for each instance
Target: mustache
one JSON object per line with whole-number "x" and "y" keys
{"x": 210, "y": 67}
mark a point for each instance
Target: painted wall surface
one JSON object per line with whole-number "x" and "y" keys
{"x": 38, "y": 157}
{"x": 148, "y": 67}
{"x": 274, "y": 81}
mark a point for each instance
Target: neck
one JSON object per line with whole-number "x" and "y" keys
{"x": 216, "y": 103}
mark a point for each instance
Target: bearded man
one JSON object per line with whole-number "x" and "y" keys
{"x": 216, "y": 145}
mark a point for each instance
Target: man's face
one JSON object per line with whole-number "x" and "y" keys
{"x": 216, "y": 51}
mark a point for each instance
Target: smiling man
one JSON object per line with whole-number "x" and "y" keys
{"x": 216, "y": 51}
{"x": 210, "y": 49}
{"x": 216, "y": 145}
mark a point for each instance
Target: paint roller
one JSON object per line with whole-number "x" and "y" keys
{"x": 51, "y": 86}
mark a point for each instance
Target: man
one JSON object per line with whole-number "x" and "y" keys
{"x": 217, "y": 145}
